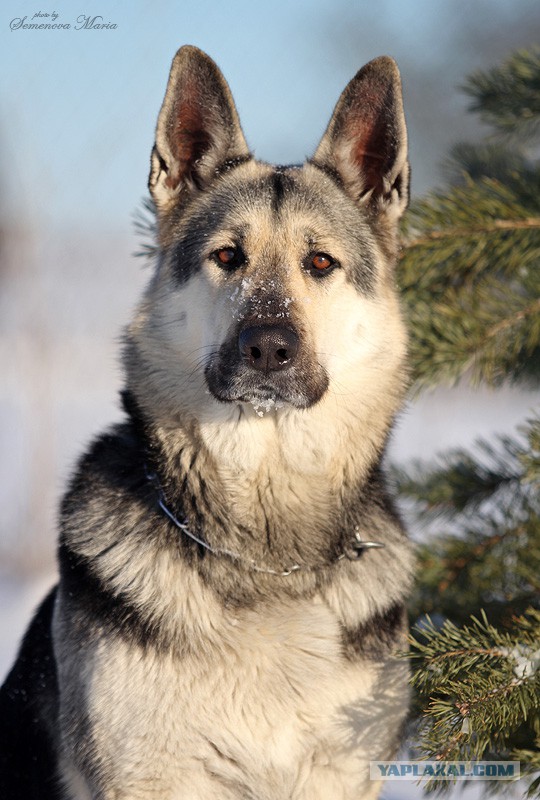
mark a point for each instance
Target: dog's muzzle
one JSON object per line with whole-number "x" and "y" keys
{"x": 267, "y": 361}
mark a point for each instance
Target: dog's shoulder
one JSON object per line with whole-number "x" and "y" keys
{"x": 108, "y": 519}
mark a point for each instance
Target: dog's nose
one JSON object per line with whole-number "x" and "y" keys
{"x": 268, "y": 347}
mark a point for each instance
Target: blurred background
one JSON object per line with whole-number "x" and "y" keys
{"x": 76, "y": 128}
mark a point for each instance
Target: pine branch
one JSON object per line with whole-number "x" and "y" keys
{"x": 483, "y": 512}
{"x": 508, "y": 97}
{"x": 462, "y": 481}
{"x": 483, "y": 566}
{"x": 466, "y": 674}
{"x": 494, "y": 226}
{"x": 471, "y": 283}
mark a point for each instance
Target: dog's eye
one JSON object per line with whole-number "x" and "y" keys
{"x": 229, "y": 257}
{"x": 320, "y": 263}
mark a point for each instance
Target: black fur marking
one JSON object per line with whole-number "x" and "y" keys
{"x": 187, "y": 254}
{"x": 375, "y": 638}
{"x": 139, "y": 423}
{"x": 28, "y": 709}
{"x": 330, "y": 172}
{"x": 112, "y": 612}
{"x": 403, "y": 188}
{"x": 186, "y": 257}
{"x": 189, "y": 251}
{"x": 232, "y": 163}
{"x": 362, "y": 276}
{"x": 280, "y": 184}
{"x": 356, "y": 228}
{"x": 283, "y": 183}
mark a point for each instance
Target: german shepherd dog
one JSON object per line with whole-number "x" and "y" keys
{"x": 232, "y": 568}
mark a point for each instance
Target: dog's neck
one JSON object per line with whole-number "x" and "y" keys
{"x": 280, "y": 488}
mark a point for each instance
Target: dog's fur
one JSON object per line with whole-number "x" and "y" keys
{"x": 264, "y": 368}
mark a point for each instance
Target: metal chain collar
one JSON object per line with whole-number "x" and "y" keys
{"x": 353, "y": 552}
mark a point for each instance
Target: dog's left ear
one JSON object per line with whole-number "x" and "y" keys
{"x": 198, "y": 129}
{"x": 366, "y": 140}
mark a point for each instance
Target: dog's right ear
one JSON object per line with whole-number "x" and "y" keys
{"x": 198, "y": 129}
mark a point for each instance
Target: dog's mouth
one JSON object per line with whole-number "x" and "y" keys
{"x": 243, "y": 387}
{"x": 268, "y": 367}
{"x": 264, "y": 400}
{"x": 264, "y": 394}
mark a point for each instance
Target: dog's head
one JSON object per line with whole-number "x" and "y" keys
{"x": 274, "y": 285}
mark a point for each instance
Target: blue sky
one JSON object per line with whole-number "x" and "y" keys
{"x": 79, "y": 107}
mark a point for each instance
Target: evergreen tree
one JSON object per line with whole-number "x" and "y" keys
{"x": 470, "y": 276}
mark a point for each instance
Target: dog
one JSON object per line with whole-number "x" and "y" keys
{"x": 229, "y": 614}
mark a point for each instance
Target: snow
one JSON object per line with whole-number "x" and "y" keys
{"x": 263, "y": 407}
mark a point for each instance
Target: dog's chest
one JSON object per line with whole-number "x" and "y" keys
{"x": 257, "y": 701}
